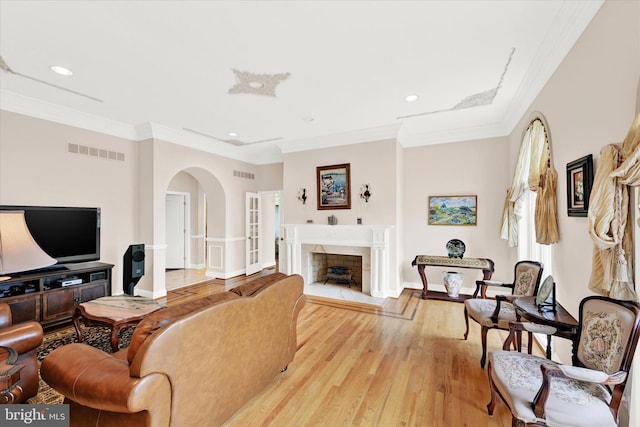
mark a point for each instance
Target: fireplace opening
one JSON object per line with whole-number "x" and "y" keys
{"x": 337, "y": 268}
{"x": 340, "y": 274}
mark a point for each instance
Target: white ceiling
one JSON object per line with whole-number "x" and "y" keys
{"x": 165, "y": 68}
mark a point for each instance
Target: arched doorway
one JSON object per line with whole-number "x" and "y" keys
{"x": 196, "y": 230}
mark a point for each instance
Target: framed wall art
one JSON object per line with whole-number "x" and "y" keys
{"x": 579, "y": 182}
{"x": 334, "y": 186}
{"x": 453, "y": 210}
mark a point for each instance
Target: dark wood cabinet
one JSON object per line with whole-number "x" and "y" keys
{"x": 50, "y": 297}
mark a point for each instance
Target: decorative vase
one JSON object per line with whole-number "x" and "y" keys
{"x": 452, "y": 282}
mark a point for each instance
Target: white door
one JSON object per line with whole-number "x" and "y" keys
{"x": 253, "y": 233}
{"x": 176, "y": 230}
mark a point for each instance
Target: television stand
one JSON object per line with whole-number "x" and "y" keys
{"x": 50, "y": 296}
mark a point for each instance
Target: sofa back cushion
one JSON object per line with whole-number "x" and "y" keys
{"x": 166, "y": 315}
{"x": 254, "y": 286}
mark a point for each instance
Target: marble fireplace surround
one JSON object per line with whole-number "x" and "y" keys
{"x": 371, "y": 242}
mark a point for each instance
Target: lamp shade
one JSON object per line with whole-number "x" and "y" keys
{"x": 18, "y": 250}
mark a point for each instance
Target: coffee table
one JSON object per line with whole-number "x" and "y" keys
{"x": 116, "y": 312}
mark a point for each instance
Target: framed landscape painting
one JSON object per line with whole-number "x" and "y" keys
{"x": 334, "y": 186}
{"x": 453, "y": 210}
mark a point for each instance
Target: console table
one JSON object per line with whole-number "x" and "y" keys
{"x": 421, "y": 261}
{"x": 565, "y": 324}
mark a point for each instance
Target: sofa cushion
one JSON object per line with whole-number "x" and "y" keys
{"x": 166, "y": 315}
{"x": 254, "y": 286}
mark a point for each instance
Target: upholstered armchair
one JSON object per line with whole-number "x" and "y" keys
{"x": 24, "y": 338}
{"x": 497, "y": 313}
{"x": 541, "y": 392}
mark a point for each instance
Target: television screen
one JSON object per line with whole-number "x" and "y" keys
{"x": 68, "y": 234}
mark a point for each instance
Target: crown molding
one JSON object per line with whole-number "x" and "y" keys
{"x": 496, "y": 130}
{"x": 557, "y": 44}
{"x": 343, "y": 138}
{"x": 20, "y": 104}
{"x": 258, "y": 154}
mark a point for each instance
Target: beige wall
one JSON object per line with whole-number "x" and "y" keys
{"x": 589, "y": 102}
{"x": 35, "y": 169}
{"x": 463, "y": 168}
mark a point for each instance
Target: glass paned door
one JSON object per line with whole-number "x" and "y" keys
{"x": 253, "y": 233}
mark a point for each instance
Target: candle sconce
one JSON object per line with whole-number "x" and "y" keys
{"x": 365, "y": 193}
{"x": 302, "y": 195}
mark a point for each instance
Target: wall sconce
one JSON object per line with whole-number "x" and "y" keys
{"x": 365, "y": 193}
{"x": 302, "y": 195}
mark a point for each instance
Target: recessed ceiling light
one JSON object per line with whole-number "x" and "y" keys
{"x": 63, "y": 71}
{"x": 308, "y": 119}
{"x": 232, "y": 134}
{"x": 411, "y": 98}
{"x": 256, "y": 85}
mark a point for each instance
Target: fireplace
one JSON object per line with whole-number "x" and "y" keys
{"x": 370, "y": 242}
{"x": 337, "y": 268}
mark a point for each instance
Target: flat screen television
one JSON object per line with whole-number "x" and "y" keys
{"x": 68, "y": 234}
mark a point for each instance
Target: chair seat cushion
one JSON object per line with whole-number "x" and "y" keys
{"x": 518, "y": 377}
{"x": 481, "y": 310}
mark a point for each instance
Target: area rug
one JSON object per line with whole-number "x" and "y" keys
{"x": 95, "y": 336}
{"x": 341, "y": 292}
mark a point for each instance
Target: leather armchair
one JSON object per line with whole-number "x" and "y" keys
{"x": 24, "y": 338}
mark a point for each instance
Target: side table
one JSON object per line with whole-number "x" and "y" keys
{"x": 566, "y": 326}
{"x": 116, "y": 312}
{"x": 10, "y": 389}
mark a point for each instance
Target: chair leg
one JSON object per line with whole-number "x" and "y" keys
{"x": 491, "y": 405}
{"x": 530, "y": 342}
{"x": 483, "y": 338}
{"x": 466, "y": 321}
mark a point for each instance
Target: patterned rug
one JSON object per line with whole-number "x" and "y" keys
{"x": 95, "y": 336}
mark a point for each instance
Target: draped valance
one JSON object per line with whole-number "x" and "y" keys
{"x": 534, "y": 170}
{"x": 610, "y": 214}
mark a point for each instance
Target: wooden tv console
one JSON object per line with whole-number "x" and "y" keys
{"x": 41, "y": 296}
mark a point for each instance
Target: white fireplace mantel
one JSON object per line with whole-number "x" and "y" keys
{"x": 374, "y": 237}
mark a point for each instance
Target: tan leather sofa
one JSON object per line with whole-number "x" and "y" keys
{"x": 24, "y": 338}
{"x": 193, "y": 364}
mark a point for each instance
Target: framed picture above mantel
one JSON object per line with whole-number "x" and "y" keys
{"x": 334, "y": 186}
{"x": 579, "y": 182}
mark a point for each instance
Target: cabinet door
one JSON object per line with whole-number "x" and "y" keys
{"x": 24, "y": 308}
{"x": 58, "y": 304}
{"x": 90, "y": 292}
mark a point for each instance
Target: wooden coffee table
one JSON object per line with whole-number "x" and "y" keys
{"x": 116, "y": 312}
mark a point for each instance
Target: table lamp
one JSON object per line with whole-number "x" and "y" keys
{"x": 18, "y": 250}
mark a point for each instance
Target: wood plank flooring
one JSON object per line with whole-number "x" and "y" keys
{"x": 405, "y": 364}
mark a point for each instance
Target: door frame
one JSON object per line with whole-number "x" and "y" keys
{"x": 187, "y": 225}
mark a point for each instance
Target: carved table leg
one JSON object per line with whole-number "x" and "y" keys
{"x": 425, "y": 284}
{"x": 76, "y": 325}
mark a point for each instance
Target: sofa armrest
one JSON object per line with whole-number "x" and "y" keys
{"x": 98, "y": 380}
{"x": 22, "y": 337}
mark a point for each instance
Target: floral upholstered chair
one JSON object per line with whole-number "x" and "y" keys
{"x": 540, "y": 392}
{"x": 497, "y": 313}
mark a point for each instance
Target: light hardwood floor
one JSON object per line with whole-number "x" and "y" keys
{"x": 405, "y": 364}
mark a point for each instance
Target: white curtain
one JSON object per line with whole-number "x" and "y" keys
{"x": 535, "y": 171}
{"x": 609, "y": 213}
